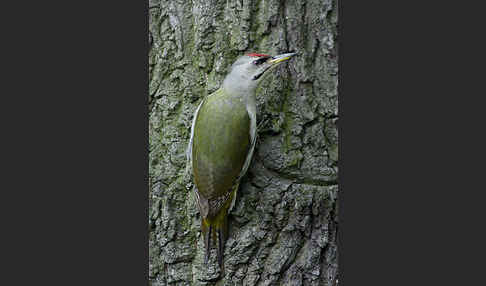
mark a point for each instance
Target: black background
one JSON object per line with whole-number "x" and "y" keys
{"x": 74, "y": 133}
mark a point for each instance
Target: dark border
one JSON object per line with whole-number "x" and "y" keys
{"x": 78, "y": 166}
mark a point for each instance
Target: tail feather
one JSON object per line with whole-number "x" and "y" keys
{"x": 222, "y": 235}
{"x": 220, "y": 247}
{"x": 207, "y": 240}
{"x": 215, "y": 230}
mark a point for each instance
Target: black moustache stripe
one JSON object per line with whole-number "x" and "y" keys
{"x": 260, "y": 74}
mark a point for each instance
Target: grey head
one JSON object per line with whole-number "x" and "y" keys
{"x": 249, "y": 70}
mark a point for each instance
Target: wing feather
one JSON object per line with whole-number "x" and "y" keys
{"x": 221, "y": 144}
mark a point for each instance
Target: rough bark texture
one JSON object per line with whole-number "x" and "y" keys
{"x": 284, "y": 224}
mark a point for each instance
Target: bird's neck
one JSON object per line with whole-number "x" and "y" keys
{"x": 239, "y": 87}
{"x": 244, "y": 96}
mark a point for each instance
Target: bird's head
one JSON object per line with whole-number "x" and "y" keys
{"x": 250, "y": 69}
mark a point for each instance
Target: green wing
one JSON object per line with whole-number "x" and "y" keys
{"x": 220, "y": 144}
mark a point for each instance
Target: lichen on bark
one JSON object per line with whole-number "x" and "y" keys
{"x": 284, "y": 224}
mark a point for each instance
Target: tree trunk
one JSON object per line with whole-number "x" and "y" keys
{"x": 284, "y": 224}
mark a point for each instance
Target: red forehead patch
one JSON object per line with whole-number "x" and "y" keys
{"x": 257, "y": 55}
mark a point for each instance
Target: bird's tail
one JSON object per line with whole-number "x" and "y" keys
{"x": 212, "y": 229}
{"x": 216, "y": 227}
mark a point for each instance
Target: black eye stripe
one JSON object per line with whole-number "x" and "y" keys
{"x": 260, "y": 60}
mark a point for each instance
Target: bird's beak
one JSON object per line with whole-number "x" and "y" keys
{"x": 272, "y": 63}
{"x": 280, "y": 58}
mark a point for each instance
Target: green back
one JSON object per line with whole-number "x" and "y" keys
{"x": 220, "y": 144}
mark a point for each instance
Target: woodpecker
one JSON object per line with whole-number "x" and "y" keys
{"x": 223, "y": 137}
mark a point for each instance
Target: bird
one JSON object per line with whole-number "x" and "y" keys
{"x": 222, "y": 141}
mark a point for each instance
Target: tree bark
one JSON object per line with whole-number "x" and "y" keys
{"x": 284, "y": 224}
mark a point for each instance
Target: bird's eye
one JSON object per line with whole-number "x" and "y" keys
{"x": 260, "y": 61}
